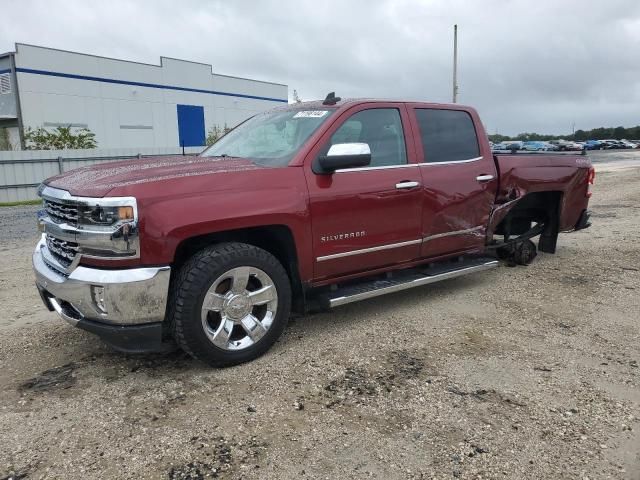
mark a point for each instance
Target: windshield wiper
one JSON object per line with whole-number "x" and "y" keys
{"x": 222, "y": 155}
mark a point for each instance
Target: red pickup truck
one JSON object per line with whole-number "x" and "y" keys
{"x": 311, "y": 205}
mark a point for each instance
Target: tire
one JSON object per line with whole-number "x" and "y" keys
{"x": 519, "y": 253}
{"x": 235, "y": 325}
{"x": 524, "y": 252}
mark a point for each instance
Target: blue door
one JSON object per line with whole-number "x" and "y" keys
{"x": 191, "y": 125}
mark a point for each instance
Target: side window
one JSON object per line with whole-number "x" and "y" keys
{"x": 447, "y": 135}
{"x": 381, "y": 129}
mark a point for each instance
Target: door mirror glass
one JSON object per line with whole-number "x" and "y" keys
{"x": 343, "y": 155}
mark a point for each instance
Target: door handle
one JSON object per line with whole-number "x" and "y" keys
{"x": 407, "y": 184}
{"x": 484, "y": 178}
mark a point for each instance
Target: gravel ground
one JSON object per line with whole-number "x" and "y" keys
{"x": 526, "y": 372}
{"x": 17, "y": 223}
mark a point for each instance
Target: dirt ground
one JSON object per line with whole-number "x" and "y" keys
{"x": 527, "y": 372}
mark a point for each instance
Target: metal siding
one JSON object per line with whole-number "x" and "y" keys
{"x": 106, "y": 93}
{"x": 31, "y": 167}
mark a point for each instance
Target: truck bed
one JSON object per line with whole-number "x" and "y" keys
{"x": 521, "y": 174}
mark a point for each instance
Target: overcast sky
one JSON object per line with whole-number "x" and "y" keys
{"x": 535, "y": 65}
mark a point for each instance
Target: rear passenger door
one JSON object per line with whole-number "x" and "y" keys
{"x": 459, "y": 179}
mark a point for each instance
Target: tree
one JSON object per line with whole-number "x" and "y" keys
{"x": 296, "y": 97}
{"x": 600, "y": 133}
{"x": 580, "y": 135}
{"x": 497, "y": 138}
{"x": 216, "y": 132}
{"x": 619, "y": 132}
{"x": 60, "y": 139}
{"x": 5, "y": 144}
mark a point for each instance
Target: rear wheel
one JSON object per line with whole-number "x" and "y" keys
{"x": 518, "y": 253}
{"x": 231, "y": 302}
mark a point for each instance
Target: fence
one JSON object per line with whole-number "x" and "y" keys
{"x": 22, "y": 171}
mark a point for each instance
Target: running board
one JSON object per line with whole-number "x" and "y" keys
{"x": 405, "y": 280}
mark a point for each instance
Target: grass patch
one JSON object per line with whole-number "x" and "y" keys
{"x": 23, "y": 202}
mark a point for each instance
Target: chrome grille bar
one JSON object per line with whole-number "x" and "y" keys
{"x": 61, "y": 212}
{"x": 63, "y": 251}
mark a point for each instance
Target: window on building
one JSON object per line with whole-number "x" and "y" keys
{"x": 5, "y": 83}
{"x": 447, "y": 135}
{"x": 381, "y": 129}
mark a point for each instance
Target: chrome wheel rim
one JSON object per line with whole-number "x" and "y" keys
{"x": 239, "y": 308}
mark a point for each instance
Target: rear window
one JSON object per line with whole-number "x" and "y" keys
{"x": 447, "y": 135}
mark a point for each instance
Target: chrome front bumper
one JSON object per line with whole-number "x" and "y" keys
{"x": 122, "y": 297}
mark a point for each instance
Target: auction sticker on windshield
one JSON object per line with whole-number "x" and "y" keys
{"x": 311, "y": 114}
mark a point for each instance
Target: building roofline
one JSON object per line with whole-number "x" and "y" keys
{"x": 220, "y": 74}
{"x": 17, "y": 44}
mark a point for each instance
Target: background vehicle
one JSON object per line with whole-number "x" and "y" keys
{"x": 508, "y": 145}
{"x": 565, "y": 145}
{"x": 536, "y": 146}
{"x": 311, "y": 205}
{"x": 561, "y": 145}
{"x": 496, "y": 147}
{"x": 592, "y": 145}
{"x": 628, "y": 144}
{"x": 612, "y": 144}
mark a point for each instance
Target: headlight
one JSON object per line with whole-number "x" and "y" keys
{"x": 103, "y": 228}
{"x": 108, "y": 227}
{"x": 105, "y": 215}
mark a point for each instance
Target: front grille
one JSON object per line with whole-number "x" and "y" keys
{"x": 61, "y": 212}
{"x": 63, "y": 252}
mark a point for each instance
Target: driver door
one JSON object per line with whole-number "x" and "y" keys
{"x": 369, "y": 217}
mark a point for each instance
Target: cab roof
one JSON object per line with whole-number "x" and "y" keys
{"x": 318, "y": 104}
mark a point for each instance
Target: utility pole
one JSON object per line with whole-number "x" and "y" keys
{"x": 455, "y": 63}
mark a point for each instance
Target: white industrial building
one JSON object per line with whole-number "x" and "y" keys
{"x": 126, "y": 104}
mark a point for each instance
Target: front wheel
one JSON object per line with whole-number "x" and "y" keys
{"x": 230, "y": 303}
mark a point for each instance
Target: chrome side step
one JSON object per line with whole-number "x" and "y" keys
{"x": 404, "y": 281}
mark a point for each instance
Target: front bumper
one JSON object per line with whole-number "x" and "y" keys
{"x": 125, "y": 307}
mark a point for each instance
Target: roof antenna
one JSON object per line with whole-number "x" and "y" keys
{"x": 331, "y": 99}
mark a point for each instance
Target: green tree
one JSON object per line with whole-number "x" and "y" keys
{"x": 619, "y": 132}
{"x": 600, "y": 133}
{"x": 580, "y": 135}
{"x": 216, "y": 132}
{"x": 4, "y": 139}
{"x": 59, "y": 139}
{"x": 497, "y": 138}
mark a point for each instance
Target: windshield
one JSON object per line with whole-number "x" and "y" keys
{"x": 270, "y": 138}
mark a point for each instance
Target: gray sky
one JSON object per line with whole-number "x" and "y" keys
{"x": 535, "y": 65}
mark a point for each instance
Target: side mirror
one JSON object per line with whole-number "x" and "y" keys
{"x": 343, "y": 155}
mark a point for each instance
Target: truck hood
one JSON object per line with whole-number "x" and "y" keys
{"x": 99, "y": 180}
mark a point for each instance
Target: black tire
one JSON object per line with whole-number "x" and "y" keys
{"x": 519, "y": 253}
{"x": 191, "y": 285}
{"x": 524, "y": 252}
{"x": 504, "y": 253}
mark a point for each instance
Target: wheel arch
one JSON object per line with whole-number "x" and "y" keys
{"x": 275, "y": 239}
{"x": 514, "y": 218}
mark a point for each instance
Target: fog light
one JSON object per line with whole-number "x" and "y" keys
{"x": 97, "y": 293}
